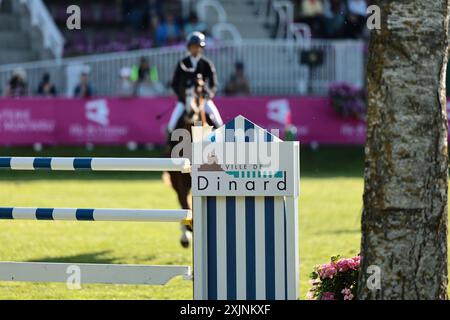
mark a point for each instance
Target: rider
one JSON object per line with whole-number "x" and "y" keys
{"x": 188, "y": 70}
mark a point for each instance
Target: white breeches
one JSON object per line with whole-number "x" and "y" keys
{"x": 210, "y": 109}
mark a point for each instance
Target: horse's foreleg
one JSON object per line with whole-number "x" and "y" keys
{"x": 186, "y": 236}
{"x": 182, "y": 184}
{"x": 185, "y": 201}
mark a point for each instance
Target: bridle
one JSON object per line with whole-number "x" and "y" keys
{"x": 195, "y": 101}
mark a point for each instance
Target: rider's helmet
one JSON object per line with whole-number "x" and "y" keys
{"x": 196, "y": 37}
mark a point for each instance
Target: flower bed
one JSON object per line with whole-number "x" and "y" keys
{"x": 336, "y": 280}
{"x": 348, "y": 101}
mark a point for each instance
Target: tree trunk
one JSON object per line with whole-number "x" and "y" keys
{"x": 404, "y": 222}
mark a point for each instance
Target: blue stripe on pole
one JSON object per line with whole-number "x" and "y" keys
{"x": 85, "y": 214}
{"x": 44, "y": 214}
{"x": 249, "y": 128}
{"x": 82, "y": 163}
{"x": 231, "y": 247}
{"x": 250, "y": 247}
{"x": 6, "y": 213}
{"x": 269, "y": 217}
{"x": 211, "y": 236}
{"x": 5, "y": 162}
{"x": 230, "y": 131}
{"x": 268, "y": 137}
{"x": 42, "y": 163}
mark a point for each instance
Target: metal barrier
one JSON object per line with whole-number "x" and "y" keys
{"x": 272, "y": 66}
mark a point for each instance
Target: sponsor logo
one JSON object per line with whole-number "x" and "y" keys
{"x": 278, "y": 110}
{"x": 239, "y": 171}
{"x": 99, "y": 126}
{"x": 23, "y": 121}
{"x": 228, "y": 169}
{"x": 97, "y": 111}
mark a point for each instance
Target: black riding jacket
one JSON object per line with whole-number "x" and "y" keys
{"x": 185, "y": 77}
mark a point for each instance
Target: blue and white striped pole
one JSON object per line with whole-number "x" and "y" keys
{"x": 76, "y": 214}
{"x": 95, "y": 164}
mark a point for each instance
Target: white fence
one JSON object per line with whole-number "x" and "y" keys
{"x": 272, "y": 66}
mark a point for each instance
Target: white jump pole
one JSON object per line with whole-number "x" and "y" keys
{"x": 91, "y": 273}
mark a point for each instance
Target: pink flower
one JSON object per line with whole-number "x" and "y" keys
{"x": 348, "y": 297}
{"x": 347, "y": 294}
{"x": 327, "y": 270}
{"x": 310, "y": 295}
{"x": 343, "y": 265}
{"x": 346, "y": 291}
{"x": 327, "y": 296}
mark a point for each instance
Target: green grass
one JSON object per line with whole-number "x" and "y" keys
{"x": 330, "y": 209}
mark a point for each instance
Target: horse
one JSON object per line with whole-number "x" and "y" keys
{"x": 181, "y": 182}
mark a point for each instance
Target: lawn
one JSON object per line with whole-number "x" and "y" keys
{"x": 330, "y": 210}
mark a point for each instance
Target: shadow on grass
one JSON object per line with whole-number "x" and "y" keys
{"x": 92, "y": 257}
{"x": 22, "y": 176}
{"x": 339, "y": 232}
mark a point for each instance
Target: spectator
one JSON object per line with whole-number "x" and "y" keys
{"x": 134, "y": 13}
{"x": 146, "y": 79}
{"x": 46, "y": 88}
{"x": 17, "y": 86}
{"x": 334, "y": 18}
{"x": 238, "y": 83}
{"x": 168, "y": 31}
{"x": 312, "y": 8}
{"x": 312, "y": 13}
{"x": 83, "y": 89}
{"x": 154, "y": 25}
{"x": 194, "y": 24}
{"x": 356, "y": 18}
{"x": 126, "y": 87}
{"x": 154, "y": 8}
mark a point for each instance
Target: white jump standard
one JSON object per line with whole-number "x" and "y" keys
{"x": 245, "y": 243}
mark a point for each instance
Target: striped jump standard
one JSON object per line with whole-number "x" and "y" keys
{"x": 245, "y": 246}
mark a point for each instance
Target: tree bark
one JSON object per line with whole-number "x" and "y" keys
{"x": 404, "y": 221}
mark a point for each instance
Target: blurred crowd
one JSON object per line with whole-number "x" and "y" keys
{"x": 140, "y": 80}
{"x": 333, "y": 18}
{"x": 165, "y": 27}
{"x": 123, "y": 25}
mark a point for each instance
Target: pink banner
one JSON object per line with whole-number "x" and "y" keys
{"x": 119, "y": 121}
